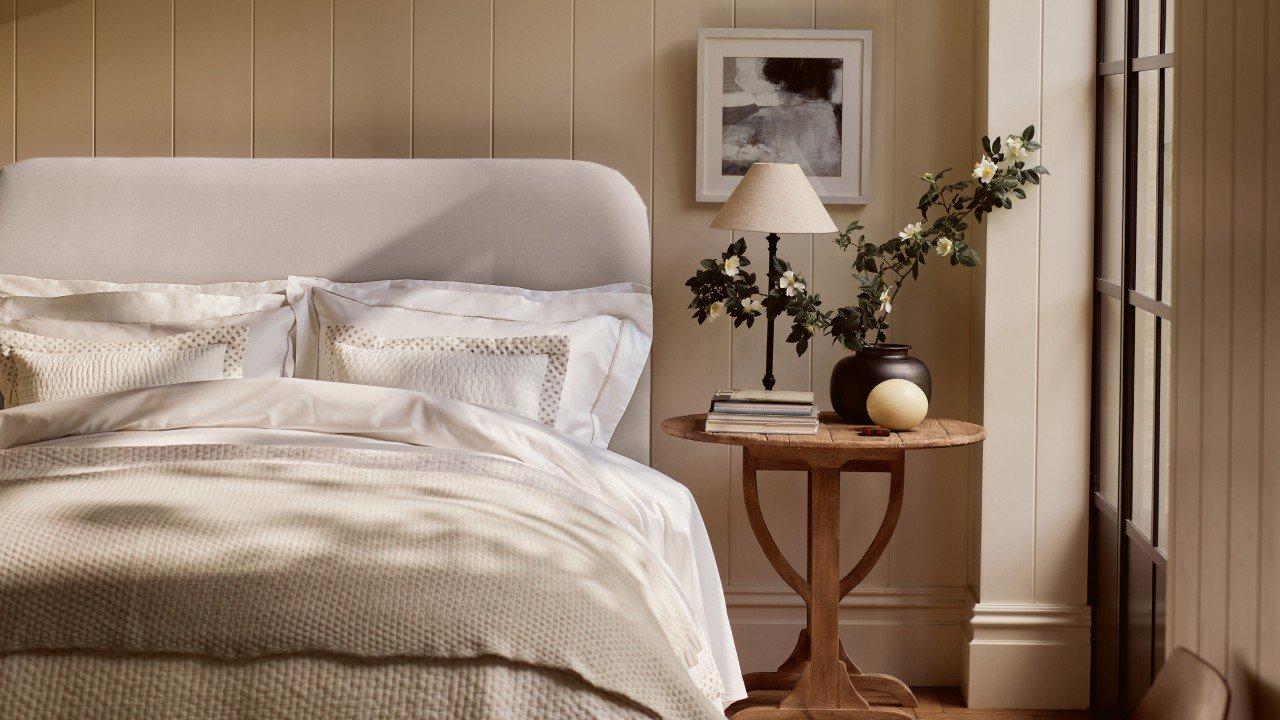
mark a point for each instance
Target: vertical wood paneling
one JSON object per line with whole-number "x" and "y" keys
{"x": 1268, "y": 672}
{"x": 1269, "y": 506}
{"x": 213, "y": 78}
{"x": 372, "y": 78}
{"x": 687, "y": 359}
{"x": 613, "y": 87}
{"x": 133, "y": 66}
{"x": 1188, "y": 331}
{"x": 533, "y": 78}
{"x": 292, "y": 78}
{"x": 1226, "y": 546}
{"x": 1216, "y": 415}
{"x": 932, "y": 119}
{"x": 452, "y": 78}
{"x": 55, "y": 84}
{"x": 782, "y": 494}
{"x": 1065, "y": 307}
{"x": 1246, "y": 360}
{"x": 864, "y": 494}
{"x": 7, "y": 27}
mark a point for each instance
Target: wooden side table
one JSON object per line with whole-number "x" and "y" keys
{"x": 819, "y": 679}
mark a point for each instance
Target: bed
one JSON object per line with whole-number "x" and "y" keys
{"x": 303, "y": 548}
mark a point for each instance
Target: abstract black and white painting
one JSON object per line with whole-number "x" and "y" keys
{"x": 782, "y": 110}
{"x": 784, "y": 96}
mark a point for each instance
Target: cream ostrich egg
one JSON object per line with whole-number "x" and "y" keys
{"x": 897, "y": 404}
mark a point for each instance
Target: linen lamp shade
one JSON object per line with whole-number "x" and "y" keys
{"x": 774, "y": 198}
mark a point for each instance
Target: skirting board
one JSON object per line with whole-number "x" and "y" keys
{"x": 914, "y": 633}
{"x": 1027, "y": 656}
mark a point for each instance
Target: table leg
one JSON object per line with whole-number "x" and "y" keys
{"x": 820, "y": 682}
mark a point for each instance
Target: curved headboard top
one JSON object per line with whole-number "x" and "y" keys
{"x": 540, "y": 224}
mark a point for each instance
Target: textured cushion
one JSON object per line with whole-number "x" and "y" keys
{"x": 34, "y": 368}
{"x": 523, "y": 375}
{"x": 268, "y": 354}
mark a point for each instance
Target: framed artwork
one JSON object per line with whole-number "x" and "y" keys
{"x": 790, "y": 96}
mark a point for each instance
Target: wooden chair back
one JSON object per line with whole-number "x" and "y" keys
{"x": 1186, "y": 688}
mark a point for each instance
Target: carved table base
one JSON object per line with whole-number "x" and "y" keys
{"x": 818, "y": 680}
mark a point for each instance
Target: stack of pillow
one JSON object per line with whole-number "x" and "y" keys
{"x": 568, "y": 359}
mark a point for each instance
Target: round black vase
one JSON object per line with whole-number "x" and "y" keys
{"x": 853, "y": 378}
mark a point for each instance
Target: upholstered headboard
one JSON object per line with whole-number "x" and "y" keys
{"x": 541, "y": 224}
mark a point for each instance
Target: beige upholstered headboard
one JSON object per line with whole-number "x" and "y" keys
{"x": 542, "y": 224}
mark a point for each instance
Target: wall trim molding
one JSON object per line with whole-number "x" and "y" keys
{"x": 1014, "y": 647}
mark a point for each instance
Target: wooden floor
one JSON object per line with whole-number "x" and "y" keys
{"x": 946, "y": 703}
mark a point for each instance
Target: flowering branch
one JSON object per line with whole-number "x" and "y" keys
{"x": 722, "y": 287}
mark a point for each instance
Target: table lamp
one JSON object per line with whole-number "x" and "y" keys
{"x": 774, "y": 198}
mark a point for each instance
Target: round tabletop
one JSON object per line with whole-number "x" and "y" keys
{"x": 834, "y": 433}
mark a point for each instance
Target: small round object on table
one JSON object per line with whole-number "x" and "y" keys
{"x": 897, "y": 404}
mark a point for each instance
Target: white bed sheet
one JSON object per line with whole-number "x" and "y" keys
{"x": 662, "y": 510}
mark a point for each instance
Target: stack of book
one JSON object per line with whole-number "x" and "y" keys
{"x": 786, "y": 412}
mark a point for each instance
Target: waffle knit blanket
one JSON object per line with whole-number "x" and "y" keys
{"x": 480, "y": 585}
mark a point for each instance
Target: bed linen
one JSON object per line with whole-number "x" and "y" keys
{"x": 382, "y": 450}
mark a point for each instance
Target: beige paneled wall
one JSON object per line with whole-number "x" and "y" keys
{"x": 1225, "y": 555}
{"x": 606, "y": 80}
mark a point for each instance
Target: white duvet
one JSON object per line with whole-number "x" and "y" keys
{"x": 314, "y": 413}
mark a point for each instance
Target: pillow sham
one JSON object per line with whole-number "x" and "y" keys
{"x": 135, "y": 306}
{"x": 34, "y": 368}
{"x": 595, "y": 361}
{"x": 45, "y": 287}
{"x": 268, "y": 351}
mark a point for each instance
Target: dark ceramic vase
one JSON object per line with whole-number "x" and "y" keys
{"x": 853, "y": 378}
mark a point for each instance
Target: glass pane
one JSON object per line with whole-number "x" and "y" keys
{"x": 1168, "y": 25}
{"x": 1144, "y": 421}
{"x": 1149, "y": 26}
{"x": 1112, "y": 30}
{"x": 1166, "y": 281}
{"x": 1110, "y": 339}
{"x": 1111, "y": 199}
{"x": 1166, "y": 415}
{"x": 1148, "y": 181}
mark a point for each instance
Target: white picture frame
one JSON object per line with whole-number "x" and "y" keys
{"x": 842, "y": 181}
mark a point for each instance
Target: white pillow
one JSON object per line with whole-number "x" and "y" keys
{"x": 135, "y": 306}
{"x": 268, "y": 354}
{"x": 457, "y": 355}
{"x": 43, "y": 287}
{"x": 34, "y": 368}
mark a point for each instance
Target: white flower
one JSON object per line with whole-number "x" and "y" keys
{"x": 886, "y": 302}
{"x": 929, "y": 177}
{"x": 731, "y": 265}
{"x": 753, "y": 306}
{"x": 791, "y": 282}
{"x": 1016, "y": 147}
{"x": 911, "y": 231}
{"x": 984, "y": 170}
{"x": 944, "y": 246}
{"x": 715, "y": 311}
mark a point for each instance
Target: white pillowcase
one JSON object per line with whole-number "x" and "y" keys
{"x": 268, "y": 353}
{"x": 608, "y": 332}
{"x": 34, "y": 368}
{"x": 135, "y": 306}
{"x": 44, "y": 287}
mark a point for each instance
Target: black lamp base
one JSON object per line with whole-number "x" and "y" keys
{"x": 773, "y": 275}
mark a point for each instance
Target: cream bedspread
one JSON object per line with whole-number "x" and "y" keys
{"x": 217, "y": 576}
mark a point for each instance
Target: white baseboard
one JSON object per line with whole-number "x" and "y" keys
{"x": 1027, "y": 656}
{"x": 914, "y": 633}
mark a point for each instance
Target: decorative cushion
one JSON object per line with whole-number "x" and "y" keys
{"x": 34, "y": 368}
{"x": 523, "y": 375}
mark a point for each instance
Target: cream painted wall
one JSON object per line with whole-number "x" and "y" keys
{"x": 1224, "y": 587}
{"x": 611, "y": 81}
